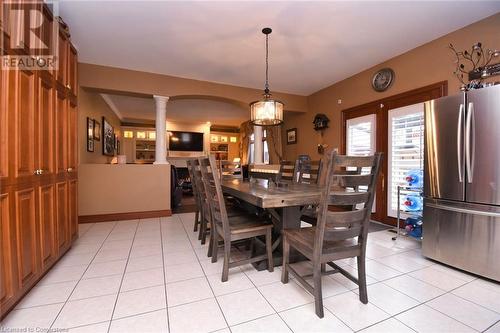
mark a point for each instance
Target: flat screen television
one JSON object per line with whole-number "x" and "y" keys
{"x": 185, "y": 141}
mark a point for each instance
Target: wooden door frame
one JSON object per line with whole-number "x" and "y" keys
{"x": 381, "y": 109}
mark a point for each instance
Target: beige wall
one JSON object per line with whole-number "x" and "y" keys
{"x": 114, "y": 79}
{"x": 115, "y": 188}
{"x": 91, "y": 104}
{"x": 424, "y": 65}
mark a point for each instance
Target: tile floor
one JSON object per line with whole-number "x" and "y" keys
{"x": 154, "y": 276}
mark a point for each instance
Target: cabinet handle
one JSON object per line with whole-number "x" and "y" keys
{"x": 41, "y": 172}
{"x": 37, "y": 172}
{"x": 69, "y": 169}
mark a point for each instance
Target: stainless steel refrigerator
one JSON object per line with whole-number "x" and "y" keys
{"x": 462, "y": 181}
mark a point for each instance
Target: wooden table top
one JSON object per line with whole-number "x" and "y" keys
{"x": 261, "y": 195}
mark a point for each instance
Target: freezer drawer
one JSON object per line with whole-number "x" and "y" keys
{"x": 463, "y": 235}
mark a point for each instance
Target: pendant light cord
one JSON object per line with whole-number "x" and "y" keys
{"x": 266, "y": 90}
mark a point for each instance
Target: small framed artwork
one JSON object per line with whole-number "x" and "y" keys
{"x": 90, "y": 135}
{"x": 108, "y": 139}
{"x": 214, "y": 138}
{"x": 90, "y": 146}
{"x": 291, "y": 136}
{"x": 223, "y": 138}
{"x": 97, "y": 130}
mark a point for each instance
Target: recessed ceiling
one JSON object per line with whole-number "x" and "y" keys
{"x": 313, "y": 44}
{"x": 131, "y": 109}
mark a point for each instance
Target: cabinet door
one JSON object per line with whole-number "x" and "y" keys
{"x": 63, "y": 232}
{"x": 26, "y": 237}
{"x": 4, "y": 125}
{"x": 72, "y": 70}
{"x": 62, "y": 59}
{"x": 46, "y": 223}
{"x": 61, "y": 135}
{"x": 73, "y": 207}
{"x": 45, "y": 128}
{"x": 72, "y": 130}
{"x": 7, "y": 264}
{"x": 23, "y": 88}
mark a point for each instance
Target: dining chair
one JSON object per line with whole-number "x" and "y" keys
{"x": 230, "y": 170}
{"x": 205, "y": 217}
{"x": 287, "y": 171}
{"x": 196, "y": 194}
{"x": 337, "y": 234}
{"x": 308, "y": 172}
{"x": 231, "y": 228}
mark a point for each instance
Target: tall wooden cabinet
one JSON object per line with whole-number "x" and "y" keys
{"x": 38, "y": 166}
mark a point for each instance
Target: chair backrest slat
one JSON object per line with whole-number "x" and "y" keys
{"x": 287, "y": 171}
{"x": 344, "y": 185}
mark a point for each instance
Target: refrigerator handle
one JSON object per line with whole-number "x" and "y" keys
{"x": 459, "y": 142}
{"x": 469, "y": 152}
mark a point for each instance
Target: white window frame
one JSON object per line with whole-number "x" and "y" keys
{"x": 398, "y": 112}
{"x": 371, "y": 118}
{"x": 265, "y": 149}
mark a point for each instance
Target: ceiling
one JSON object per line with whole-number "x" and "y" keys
{"x": 131, "y": 109}
{"x": 313, "y": 44}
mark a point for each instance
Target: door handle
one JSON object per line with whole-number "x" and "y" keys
{"x": 459, "y": 142}
{"x": 469, "y": 152}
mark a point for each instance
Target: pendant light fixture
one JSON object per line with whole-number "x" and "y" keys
{"x": 267, "y": 111}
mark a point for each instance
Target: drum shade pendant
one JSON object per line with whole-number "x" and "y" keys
{"x": 267, "y": 111}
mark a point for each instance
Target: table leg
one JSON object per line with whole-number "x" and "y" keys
{"x": 284, "y": 218}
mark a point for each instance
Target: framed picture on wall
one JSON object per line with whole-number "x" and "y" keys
{"x": 97, "y": 130}
{"x": 90, "y": 135}
{"x": 291, "y": 136}
{"x": 108, "y": 138}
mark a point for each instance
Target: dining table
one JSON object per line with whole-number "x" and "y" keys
{"x": 283, "y": 201}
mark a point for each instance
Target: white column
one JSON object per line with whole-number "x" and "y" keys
{"x": 161, "y": 129}
{"x": 258, "y": 148}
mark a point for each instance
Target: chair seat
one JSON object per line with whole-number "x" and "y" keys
{"x": 303, "y": 239}
{"x": 247, "y": 224}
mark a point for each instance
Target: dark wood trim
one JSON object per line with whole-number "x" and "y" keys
{"x": 381, "y": 109}
{"x": 123, "y": 216}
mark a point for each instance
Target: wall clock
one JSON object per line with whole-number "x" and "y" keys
{"x": 382, "y": 79}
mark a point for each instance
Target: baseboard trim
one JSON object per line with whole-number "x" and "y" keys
{"x": 123, "y": 216}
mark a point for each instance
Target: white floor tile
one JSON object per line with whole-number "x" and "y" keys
{"x": 183, "y": 257}
{"x": 76, "y": 259}
{"x": 403, "y": 263}
{"x": 86, "y": 311}
{"x": 144, "y": 263}
{"x": 30, "y": 319}
{"x": 494, "y": 329}
{"x": 146, "y": 250}
{"x": 388, "y": 299}
{"x": 329, "y": 286}
{"x": 143, "y": 279}
{"x": 63, "y": 274}
{"x": 151, "y": 322}
{"x": 304, "y": 319}
{"x": 243, "y": 306}
{"x": 111, "y": 255}
{"x": 285, "y": 296}
{"x": 424, "y": 319}
{"x": 202, "y": 316}
{"x": 236, "y": 282}
{"x": 183, "y": 272}
{"x": 267, "y": 324}
{"x": 261, "y": 278}
{"x": 464, "y": 311}
{"x": 414, "y": 288}
{"x": 438, "y": 278}
{"x": 100, "y": 286}
{"x": 380, "y": 271}
{"x": 94, "y": 328}
{"x": 483, "y": 296}
{"x": 140, "y": 301}
{"x": 47, "y": 294}
{"x": 390, "y": 325}
{"x": 348, "y": 308}
{"x": 105, "y": 269}
{"x": 188, "y": 291}
{"x": 212, "y": 268}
